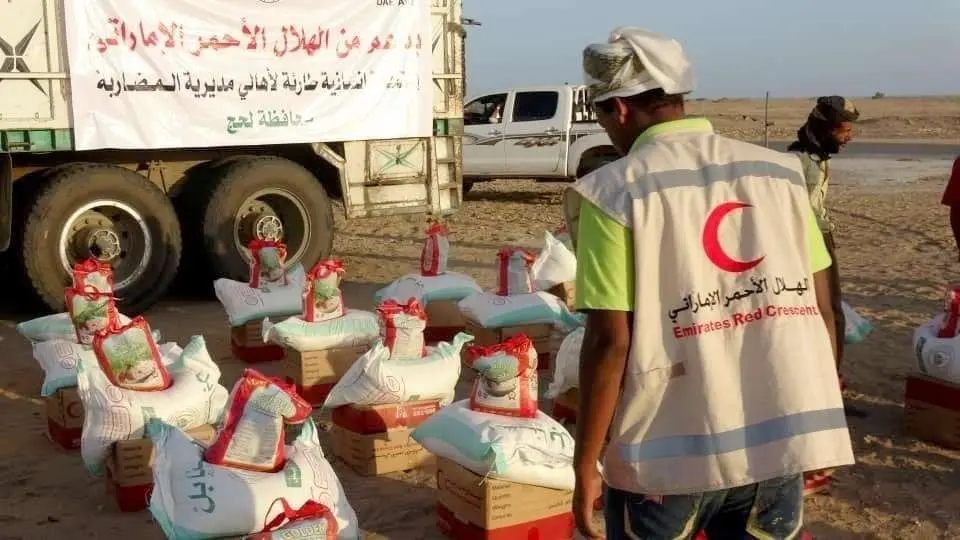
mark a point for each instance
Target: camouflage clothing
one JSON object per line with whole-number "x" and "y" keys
{"x": 816, "y": 171}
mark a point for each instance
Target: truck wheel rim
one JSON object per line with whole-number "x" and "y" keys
{"x": 111, "y": 231}
{"x": 273, "y": 214}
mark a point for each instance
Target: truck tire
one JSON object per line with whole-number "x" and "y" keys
{"x": 594, "y": 162}
{"x": 106, "y": 211}
{"x": 266, "y": 198}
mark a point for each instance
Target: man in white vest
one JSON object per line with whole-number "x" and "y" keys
{"x": 708, "y": 356}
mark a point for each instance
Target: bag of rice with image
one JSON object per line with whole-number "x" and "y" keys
{"x": 90, "y": 312}
{"x": 401, "y": 329}
{"x": 93, "y": 275}
{"x": 313, "y": 521}
{"x": 513, "y": 275}
{"x": 322, "y": 299}
{"x": 252, "y": 434}
{"x": 129, "y": 357}
{"x": 267, "y": 263}
{"x": 436, "y": 251}
{"x": 507, "y": 381}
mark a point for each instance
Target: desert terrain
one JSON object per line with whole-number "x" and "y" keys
{"x": 896, "y": 256}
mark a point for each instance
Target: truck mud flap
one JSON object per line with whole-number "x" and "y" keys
{"x": 6, "y": 200}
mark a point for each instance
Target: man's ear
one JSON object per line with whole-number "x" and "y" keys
{"x": 621, "y": 111}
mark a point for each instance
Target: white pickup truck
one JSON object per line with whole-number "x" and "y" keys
{"x": 541, "y": 132}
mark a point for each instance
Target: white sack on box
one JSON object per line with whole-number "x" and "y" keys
{"x": 356, "y": 328}
{"x": 448, "y": 286}
{"x": 494, "y": 311}
{"x": 56, "y": 326}
{"x": 244, "y": 304}
{"x": 374, "y": 379}
{"x": 554, "y": 265}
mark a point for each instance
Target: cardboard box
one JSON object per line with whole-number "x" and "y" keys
{"x": 246, "y": 343}
{"x": 65, "y": 418}
{"x": 315, "y": 372}
{"x": 130, "y": 469}
{"x": 540, "y": 334}
{"x": 470, "y": 507}
{"x": 375, "y": 440}
{"x": 932, "y": 410}
{"x": 444, "y": 321}
{"x": 565, "y": 291}
{"x": 566, "y": 406}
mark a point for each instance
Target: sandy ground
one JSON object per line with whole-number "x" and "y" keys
{"x": 929, "y": 119}
{"x": 897, "y": 259}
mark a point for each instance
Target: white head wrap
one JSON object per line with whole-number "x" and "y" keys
{"x": 636, "y": 61}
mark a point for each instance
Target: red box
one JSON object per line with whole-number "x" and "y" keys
{"x": 367, "y": 420}
{"x": 932, "y": 410}
{"x": 559, "y": 527}
{"x": 246, "y": 343}
{"x": 65, "y": 418}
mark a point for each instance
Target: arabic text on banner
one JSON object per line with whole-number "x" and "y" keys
{"x": 187, "y": 74}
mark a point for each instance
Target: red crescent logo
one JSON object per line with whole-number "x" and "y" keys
{"x": 711, "y": 240}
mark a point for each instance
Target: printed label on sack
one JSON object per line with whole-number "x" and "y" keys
{"x": 322, "y": 299}
{"x": 129, "y": 357}
{"x": 90, "y": 312}
{"x": 267, "y": 263}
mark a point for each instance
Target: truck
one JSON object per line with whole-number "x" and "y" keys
{"x": 547, "y": 133}
{"x": 152, "y": 212}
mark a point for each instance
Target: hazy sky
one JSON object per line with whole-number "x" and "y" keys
{"x": 738, "y": 47}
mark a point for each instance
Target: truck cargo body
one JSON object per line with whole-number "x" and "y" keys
{"x": 151, "y": 211}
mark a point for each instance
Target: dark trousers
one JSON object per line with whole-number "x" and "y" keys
{"x": 836, "y": 297}
{"x": 770, "y": 509}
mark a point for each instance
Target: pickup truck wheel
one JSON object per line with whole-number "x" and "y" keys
{"x": 592, "y": 163}
{"x": 107, "y": 212}
{"x": 266, "y": 198}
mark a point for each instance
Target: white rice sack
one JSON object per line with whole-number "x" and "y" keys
{"x": 374, "y": 379}
{"x": 857, "y": 327}
{"x": 937, "y": 357}
{"x": 195, "y": 499}
{"x": 59, "y": 360}
{"x": 113, "y": 414}
{"x": 355, "y": 329}
{"x": 536, "y": 451}
{"x": 494, "y": 311}
{"x": 56, "y": 326}
{"x": 244, "y": 304}
{"x": 554, "y": 265}
{"x": 426, "y": 289}
{"x": 566, "y": 366}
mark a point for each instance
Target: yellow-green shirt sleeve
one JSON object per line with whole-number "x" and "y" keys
{"x": 819, "y": 256}
{"x": 605, "y": 265}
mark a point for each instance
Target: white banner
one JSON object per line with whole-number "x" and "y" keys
{"x": 201, "y": 73}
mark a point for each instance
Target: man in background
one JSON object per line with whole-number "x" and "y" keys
{"x": 706, "y": 358}
{"x": 827, "y": 130}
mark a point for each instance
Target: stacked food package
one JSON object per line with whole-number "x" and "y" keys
{"x": 436, "y": 288}
{"x": 248, "y": 481}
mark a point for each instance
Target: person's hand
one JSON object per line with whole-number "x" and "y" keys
{"x": 586, "y": 499}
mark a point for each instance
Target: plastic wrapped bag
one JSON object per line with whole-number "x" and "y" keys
{"x": 566, "y": 367}
{"x": 267, "y": 263}
{"x": 195, "y": 499}
{"x": 513, "y": 275}
{"x": 401, "y": 329}
{"x": 857, "y": 328}
{"x": 91, "y": 312}
{"x": 436, "y": 251}
{"x": 555, "y": 265}
{"x": 322, "y": 299}
{"x": 252, "y": 434}
{"x": 375, "y": 379}
{"x": 507, "y": 382}
{"x": 129, "y": 357}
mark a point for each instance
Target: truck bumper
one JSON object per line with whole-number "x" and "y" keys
{"x": 6, "y": 200}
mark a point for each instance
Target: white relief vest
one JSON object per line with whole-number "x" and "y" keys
{"x": 731, "y": 378}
